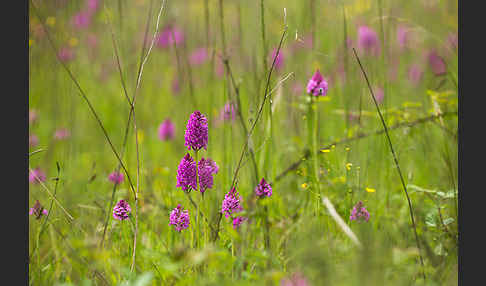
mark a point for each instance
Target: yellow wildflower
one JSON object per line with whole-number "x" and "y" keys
{"x": 370, "y": 190}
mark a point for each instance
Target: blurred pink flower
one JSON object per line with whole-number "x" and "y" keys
{"x": 32, "y": 116}
{"x": 116, "y": 177}
{"x": 403, "y": 36}
{"x": 175, "y": 86}
{"x": 81, "y": 20}
{"x": 198, "y": 56}
{"x": 92, "y": 5}
{"x": 33, "y": 140}
{"x": 66, "y": 54}
{"x": 278, "y": 61}
{"x": 219, "y": 67}
{"x": 436, "y": 63}
{"x": 166, "y": 130}
{"x": 168, "y": 36}
{"x": 62, "y": 134}
{"x": 379, "y": 94}
{"x": 452, "y": 40}
{"x": 36, "y": 176}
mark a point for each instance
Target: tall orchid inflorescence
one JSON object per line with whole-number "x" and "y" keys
{"x": 191, "y": 174}
{"x": 196, "y": 135}
{"x": 190, "y": 171}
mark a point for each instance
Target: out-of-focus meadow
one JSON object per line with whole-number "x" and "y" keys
{"x": 321, "y": 155}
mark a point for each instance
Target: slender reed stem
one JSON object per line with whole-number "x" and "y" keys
{"x": 396, "y": 162}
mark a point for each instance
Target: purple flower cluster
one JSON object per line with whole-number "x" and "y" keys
{"x": 436, "y": 63}
{"x": 179, "y": 218}
{"x": 196, "y": 135}
{"x": 231, "y": 203}
{"x": 38, "y": 210}
{"x": 36, "y": 176}
{"x": 359, "y": 213}
{"x": 166, "y": 130}
{"x": 317, "y": 86}
{"x": 122, "y": 210}
{"x": 186, "y": 173}
{"x": 116, "y": 177}
{"x": 263, "y": 189}
{"x": 205, "y": 169}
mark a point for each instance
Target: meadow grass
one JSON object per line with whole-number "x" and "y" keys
{"x": 320, "y": 154}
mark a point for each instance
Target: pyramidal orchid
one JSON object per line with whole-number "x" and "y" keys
{"x": 206, "y": 169}
{"x": 359, "y": 213}
{"x": 231, "y": 203}
{"x": 317, "y": 85}
{"x": 122, "y": 210}
{"x": 196, "y": 135}
{"x": 263, "y": 189}
{"x": 186, "y": 173}
{"x": 179, "y": 218}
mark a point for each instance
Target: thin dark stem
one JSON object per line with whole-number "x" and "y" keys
{"x": 267, "y": 228}
{"x": 200, "y": 213}
{"x": 240, "y": 116}
{"x": 127, "y": 128}
{"x": 396, "y": 162}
